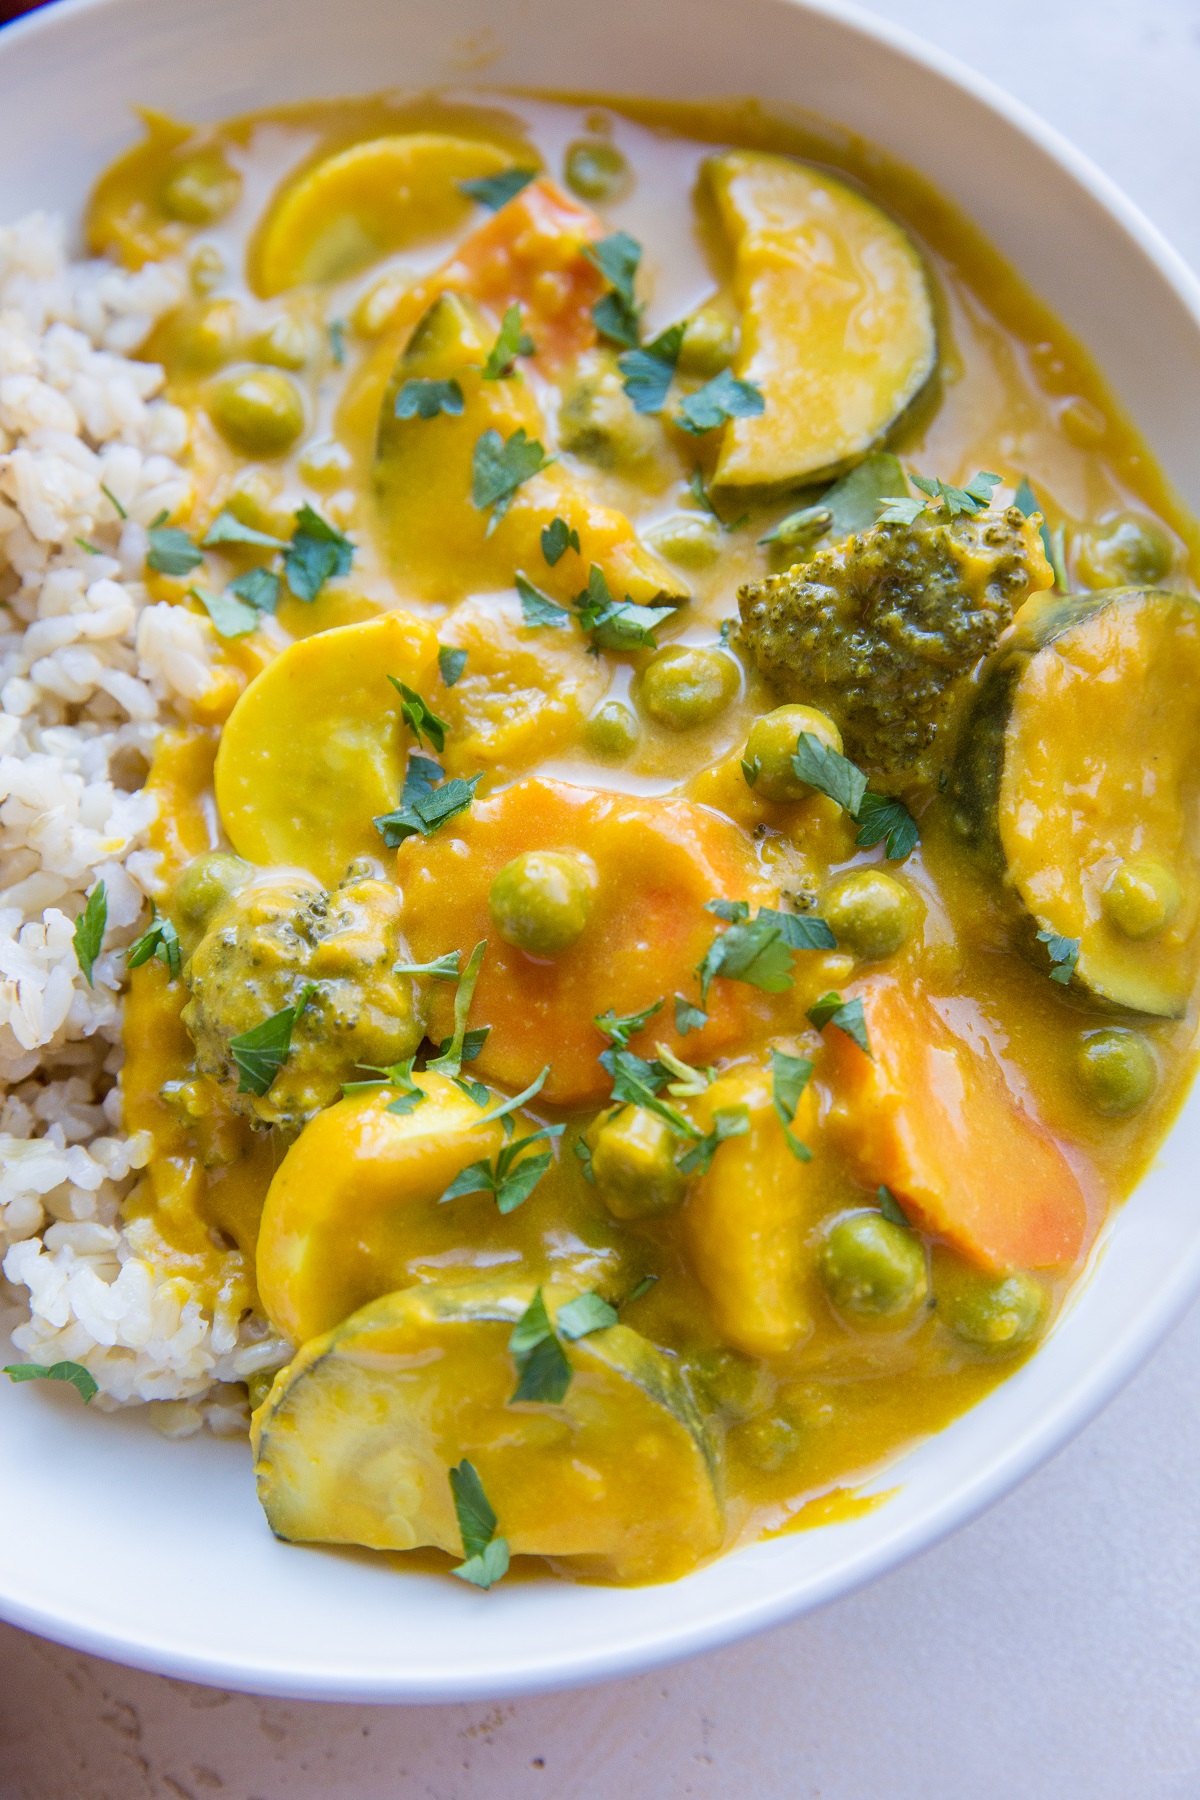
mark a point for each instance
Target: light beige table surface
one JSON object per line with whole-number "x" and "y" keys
{"x": 1049, "y": 1652}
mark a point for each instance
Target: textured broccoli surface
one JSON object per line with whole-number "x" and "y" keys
{"x": 257, "y": 957}
{"x": 882, "y": 631}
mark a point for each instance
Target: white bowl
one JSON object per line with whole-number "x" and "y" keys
{"x": 155, "y": 1553}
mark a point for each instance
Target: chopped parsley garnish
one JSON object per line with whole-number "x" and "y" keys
{"x": 512, "y": 1177}
{"x": 583, "y": 1151}
{"x": 442, "y": 968}
{"x": 557, "y": 538}
{"x": 729, "y": 910}
{"x": 537, "y": 609}
{"x": 451, "y": 663}
{"x": 451, "y": 1060}
{"x": 512, "y": 342}
{"x": 495, "y": 191}
{"x": 261, "y": 1053}
{"x": 113, "y": 501}
{"x": 847, "y": 1015}
{"x": 424, "y": 806}
{"x": 639, "y": 1288}
{"x": 227, "y": 528}
{"x": 688, "y": 1017}
{"x": 704, "y": 501}
{"x": 472, "y": 1044}
{"x": 637, "y": 1083}
{"x": 619, "y": 1030}
{"x": 88, "y": 935}
{"x": 724, "y": 397}
{"x": 881, "y": 817}
{"x": 544, "y": 1374}
{"x": 171, "y": 551}
{"x": 829, "y": 772}
{"x": 728, "y": 1121}
{"x": 421, "y": 397}
{"x": 789, "y": 1078}
{"x": 689, "y": 1081}
{"x": 1063, "y": 953}
{"x": 1052, "y": 543}
{"x": 419, "y": 716}
{"x": 231, "y": 617}
{"x": 617, "y": 316}
{"x": 647, "y": 374}
{"x": 616, "y": 625}
{"x": 508, "y": 1107}
{"x": 485, "y": 1555}
{"x": 397, "y": 1075}
{"x": 890, "y": 1207}
{"x": 976, "y": 497}
{"x": 801, "y": 931}
{"x": 317, "y": 552}
{"x": 498, "y": 469}
{"x": 161, "y": 941}
{"x": 586, "y": 1313}
{"x": 337, "y": 341}
{"x": 79, "y": 1378}
{"x": 752, "y": 950}
{"x": 259, "y": 588}
{"x": 92, "y": 549}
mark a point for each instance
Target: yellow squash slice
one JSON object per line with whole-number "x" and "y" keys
{"x": 314, "y": 749}
{"x": 354, "y": 1443}
{"x": 837, "y": 320}
{"x": 365, "y": 203}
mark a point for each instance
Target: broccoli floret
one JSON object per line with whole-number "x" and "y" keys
{"x": 882, "y": 631}
{"x": 262, "y": 949}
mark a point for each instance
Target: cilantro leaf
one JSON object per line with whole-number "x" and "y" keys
{"x": 511, "y": 343}
{"x": 847, "y": 1015}
{"x": 976, "y": 497}
{"x": 582, "y": 1150}
{"x": 113, "y": 502}
{"x": 647, "y": 374}
{"x": 259, "y": 1054}
{"x": 495, "y": 191}
{"x": 724, "y": 397}
{"x": 890, "y": 1207}
{"x": 518, "y": 1101}
{"x": 801, "y": 931}
{"x": 514, "y": 1176}
{"x": 316, "y": 553}
{"x": 543, "y": 1370}
{"x": 485, "y": 1555}
{"x": 1028, "y": 502}
{"x": 1025, "y": 499}
{"x": 690, "y": 1080}
{"x": 583, "y": 1315}
{"x": 620, "y": 1030}
{"x": 900, "y": 511}
{"x": 882, "y": 817}
{"x": 231, "y": 617}
{"x": 451, "y": 663}
{"x": 442, "y": 968}
{"x": 80, "y": 1379}
{"x": 829, "y": 772}
{"x": 789, "y": 1078}
{"x": 728, "y": 1121}
{"x": 557, "y": 538}
{"x": 1063, "y": 953}
{"x": 227, "y": 528}
{"x": 688, "y": 1017}
{"x": 88, "y": 935}
{"x": 259, "y": 588}
{"x": 160, "y": 940}
{"x": 337, "y": 341}
{"x": 637, "y": 1082}
{"x": 424, "y": 806}
{"x": 171, "y": 551}
{"x": 498, "y": 469}
{"x": 450, "y": 1062}
{"x": 732, "y": 911}
{"x": 419, "y": 716}
{"x": 486, "y": 1569}
{"x": 704, "y": 500}
{"x": 614, "y": 625}
{"x": 421, "y": 397}
{"x": 754, "y": 951}
{"x": 617, "y": 315}
{"x": 537, "y": 609}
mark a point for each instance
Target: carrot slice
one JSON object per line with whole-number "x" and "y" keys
{"x": 658, "y": 862}
{"x": 933, "y": 1117}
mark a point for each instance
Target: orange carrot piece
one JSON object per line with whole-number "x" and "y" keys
{"x": 933, "y": 1117}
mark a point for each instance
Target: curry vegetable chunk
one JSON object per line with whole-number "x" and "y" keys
{"x": 354, "y": 1443}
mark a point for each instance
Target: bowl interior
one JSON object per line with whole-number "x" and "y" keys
{"x": 155, "y": 1553}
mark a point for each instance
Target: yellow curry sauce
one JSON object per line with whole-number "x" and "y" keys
{"x": 336, "y": 262}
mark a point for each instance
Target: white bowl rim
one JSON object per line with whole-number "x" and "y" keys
{"x": 1072, "y": 1408}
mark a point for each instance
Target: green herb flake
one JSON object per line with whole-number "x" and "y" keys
{"x": 495, "y": 191}
{"x": 442, "y": 968}
{"x": 259, "y": 588}
{"x": 543, "y": 1370}
{"x": 704, "y": 500}
{"x": 227, "y": 528}
{"x": 582, "y": 1150}
{"x": 231, "y": 617}
{"x": 485, "y": 1555}
{"x": 451, "y": 663}
{"x": 616, "y": 625}
{"x": 829, "y": 772}
{"x": 512, "y": 342}
{"x": 890, "y": 1207}
{"x": 1063, "y": 953}
{"x": 619, "y": 1030}
{"x": 92, "y": 549}
{"x": 587, "y": 1313}
{"x": 801, "y": 931}
{"x": 317, "y": 553}
{"x": 519, "y": 1100}
{"x": 637, "y": 1083}
{"x": 689, "y": 1081}
{"x": 847, "y": 1015}
{"x": 732, "y": 911}
{"x": 421, "y": 397}
{"x": 557, "y": 538}
{"x": 261, "y": 1053}
{"x": 498, "y": 469}
{"x": 161, "y": 941}
{"x": 72, "y": 1372}
{"x": 337, "y": 341}
{"x": 514, "y": 1175}
{"x": 688, "y": 1017}
{"x": 450, "y": 1063}
{"x": 88, "y": 935}
{"x": 617, "y": 316}
{"x": 728, "y": 1121}
{"x": 171, "y": 551}
{"x": 424, "y": 806}
{"x": 537, "y": 609}
{"x": 646, "y": 375}
{"x": 724, "y": 397}
{"x": 419, "y": 716}
{"x": 882, "y": 818}
{"x": 754, "y": 951}
{"x": 789, "y": 1078}
{"x": 113, "y": 502}
{"x": 639, "y": 1288}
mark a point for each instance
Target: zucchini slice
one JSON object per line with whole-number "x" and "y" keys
{"x": 354, "y": 1441}
{"x": 837, "y": 320}
{"x": 1081, "y": 766}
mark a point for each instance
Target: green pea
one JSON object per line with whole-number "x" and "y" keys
{"x": 1142, "y": 897}
{"x": 709, "y": 343}
{"x": 596, "y": 170}
{"x": 201, "y": 889}
{"x": 996, "y": 1313}
{"x": 612, "y": 730}
{"x": 684, "y": 686}
{"x": 768, "y": 1442}
{"x": 286, "y": 343}
{"x": 633, "y": 1164}
{"x": 200, "y": 189}
{"x": 206, "y": 337}
{"x": 1117, "y": 1070}
{"x": 689, "y": 539}
{"x": 870, "y": 913}
{"x": 736, "y": 1386}
{"x": 258, "y": 411}
{"x": 872, "y": 1268}
{"x": 771, "y": 746}
{"x": 1124, "y": 552}
{"x": 540, "y": 902}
